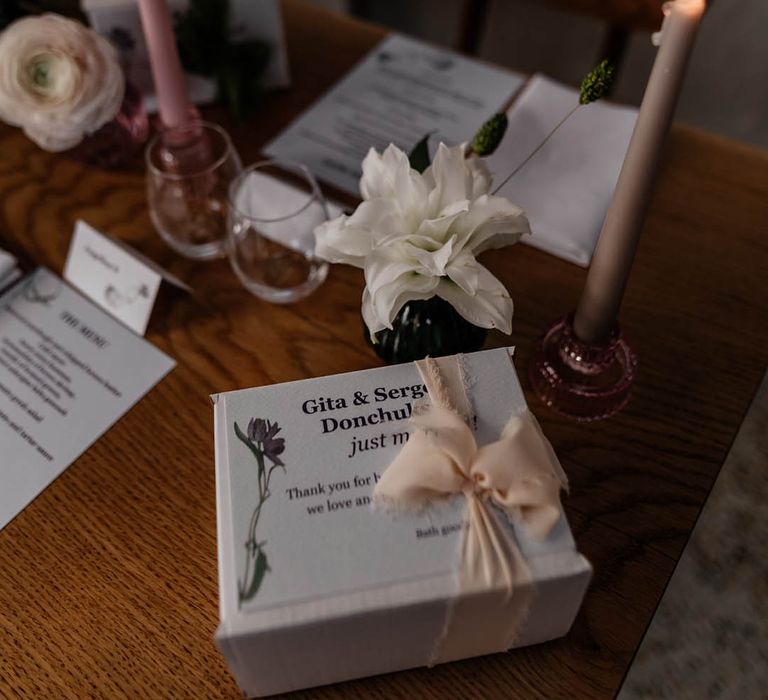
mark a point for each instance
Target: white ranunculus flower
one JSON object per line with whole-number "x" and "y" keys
{"x": 59, "y": 80}
{"x": 417, "y": 236}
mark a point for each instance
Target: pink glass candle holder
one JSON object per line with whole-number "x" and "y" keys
{"x": 583, "y": 381}
{"x": 117, "y": 142}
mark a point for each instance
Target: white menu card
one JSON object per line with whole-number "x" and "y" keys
{"x": 401, "y": 91}
{"x": 68, "y": 371}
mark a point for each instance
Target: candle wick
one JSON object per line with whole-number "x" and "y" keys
{"x": 536, "y": 150}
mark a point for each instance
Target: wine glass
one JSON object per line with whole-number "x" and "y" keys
{"x": 274, "y": 207}
{"x": 189, "y": 170}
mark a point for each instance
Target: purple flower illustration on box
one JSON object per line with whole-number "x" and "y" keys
{"x": 261, "y": 439}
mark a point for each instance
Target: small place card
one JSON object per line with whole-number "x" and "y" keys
{"x": 113, "y": 275}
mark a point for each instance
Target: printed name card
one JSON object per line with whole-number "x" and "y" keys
{"x": 113, "y": 275}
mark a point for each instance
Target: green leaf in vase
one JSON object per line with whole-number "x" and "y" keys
{"x": 419, "y": 156}
{"x": 202, "y": 35}
{"x": 238, "y": 79}
{"x": 206, "y": 48}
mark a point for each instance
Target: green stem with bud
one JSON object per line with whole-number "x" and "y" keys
{"x": 536, "y": 150}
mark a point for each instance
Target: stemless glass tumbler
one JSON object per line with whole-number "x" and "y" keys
{"x": 274, "y": 207}
{"x": 189, "y": 170}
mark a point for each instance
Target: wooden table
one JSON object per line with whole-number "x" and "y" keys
{"x": 108, "y": 580}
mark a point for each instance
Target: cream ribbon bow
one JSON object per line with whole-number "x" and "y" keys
{"x": 519, "y": 474}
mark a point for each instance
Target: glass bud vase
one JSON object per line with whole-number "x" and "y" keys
{"x": 426, "y": 328}
{"x": 115, "y": 144}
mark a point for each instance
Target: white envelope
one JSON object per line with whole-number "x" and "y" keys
{"x": 566, "y": 187}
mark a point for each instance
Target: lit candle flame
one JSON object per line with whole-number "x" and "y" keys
{"x": 691, "y": 8}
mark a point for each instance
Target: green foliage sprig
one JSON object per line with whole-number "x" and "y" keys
{"x": 205, "y": 48}
{"x": 490, "y": 135}
{"x": 597, "y": 83}
{"x": 595, "y": 86}
{"x": 419, "y": 156}
{"x": 485, "y": 142}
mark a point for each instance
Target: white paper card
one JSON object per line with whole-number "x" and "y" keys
{"x": 109, "y": 275}
{"x": 68, "y": 371}
{"x": 340, "y": 433}
{"x": 119, "y": 21}
{"x": 403, "y": 90}
{"x": 565, "y": 189}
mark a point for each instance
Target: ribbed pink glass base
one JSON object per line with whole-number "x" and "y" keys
{"x": 115, "y": 144}
{"x": 581, "y": 381}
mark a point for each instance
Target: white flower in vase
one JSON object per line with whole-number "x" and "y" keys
{"x": 417, "y": 235}
{"x": 59, "y": 80}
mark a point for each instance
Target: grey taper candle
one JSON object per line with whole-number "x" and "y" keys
{"x": 599, "y": 305}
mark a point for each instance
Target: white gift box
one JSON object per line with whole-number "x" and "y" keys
{"x": 316, "y": 586}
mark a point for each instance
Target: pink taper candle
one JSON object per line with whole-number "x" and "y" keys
{"x": 173, "y": 103}
{"x": 599, "y": 305}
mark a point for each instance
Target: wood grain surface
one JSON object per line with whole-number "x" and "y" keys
{"x": 108, "y": 580}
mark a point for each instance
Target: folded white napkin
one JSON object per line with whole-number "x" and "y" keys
{"x": 284, "y": 212}
{"x": 8, "y": 270}
{"x": 566, "y": 187}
